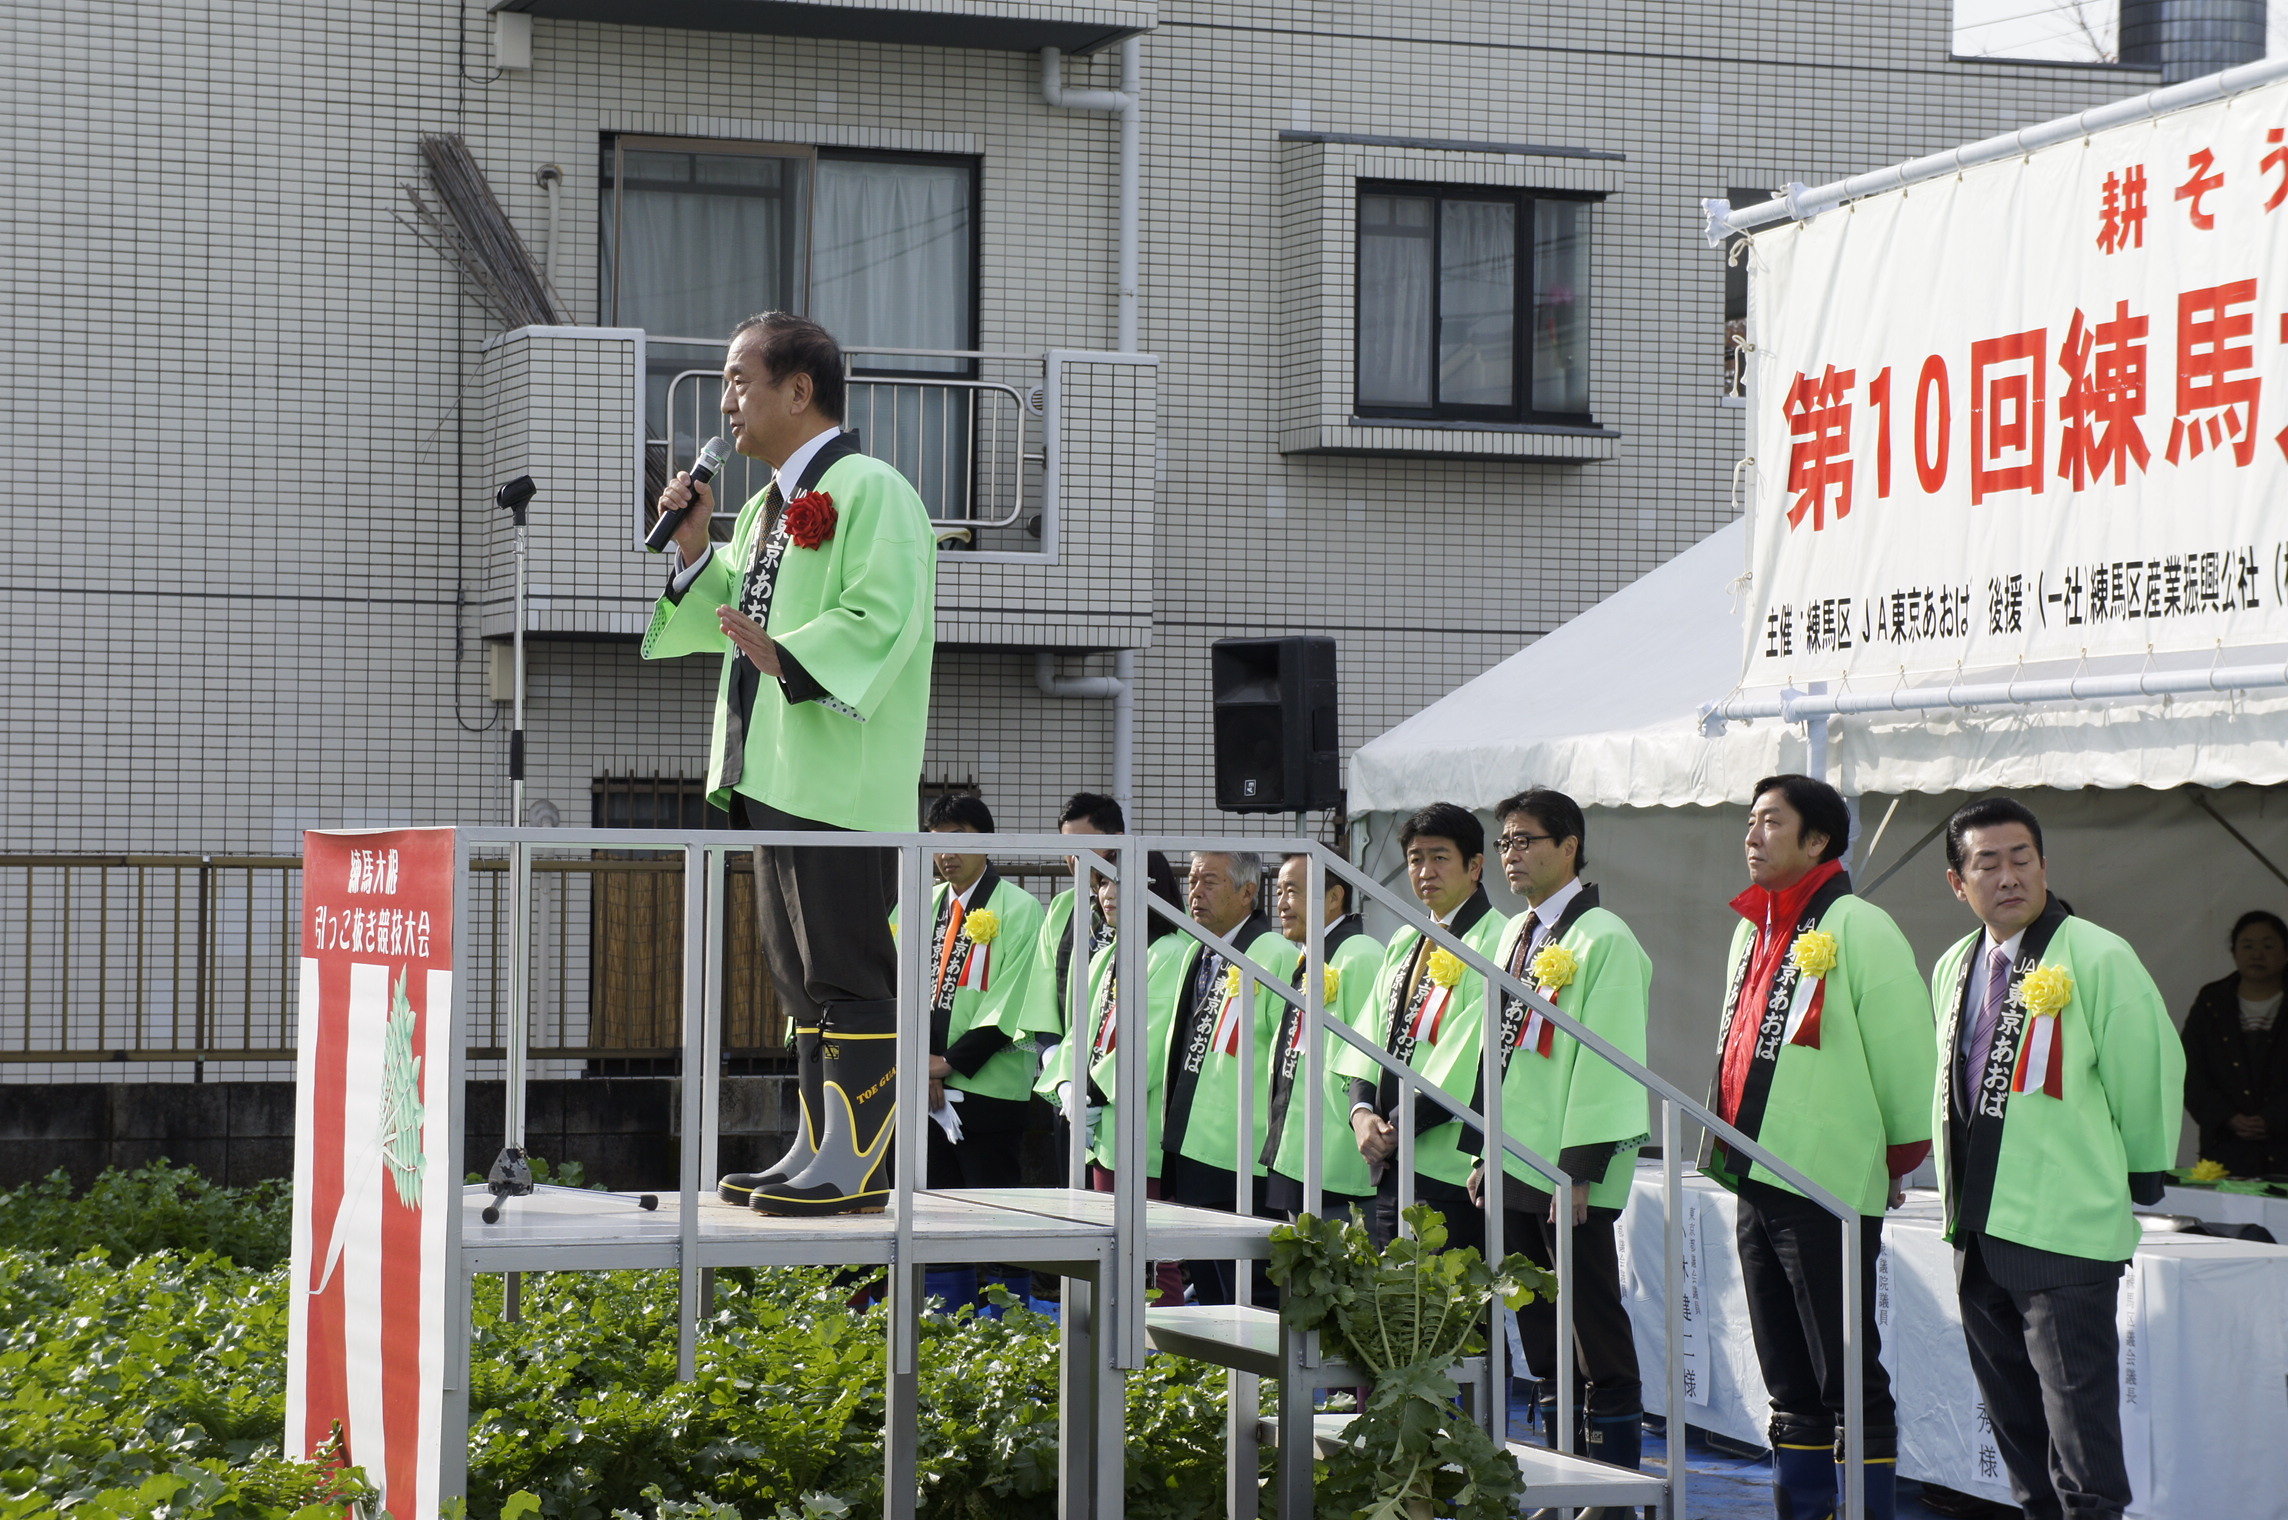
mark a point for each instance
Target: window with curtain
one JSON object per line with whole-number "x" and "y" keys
{"x": 880, "y": 248}
{"x": 1472, "y": 304}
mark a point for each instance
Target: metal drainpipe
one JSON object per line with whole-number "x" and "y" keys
{"x": 1120, "y": 686}
{"x": 550, "y": 178}
{"x": 1127, "y": 103}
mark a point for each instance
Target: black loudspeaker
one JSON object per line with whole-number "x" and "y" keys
{"x": 1276, "y": 749}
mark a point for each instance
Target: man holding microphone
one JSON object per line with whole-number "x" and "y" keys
{"x": 824, "y": 608}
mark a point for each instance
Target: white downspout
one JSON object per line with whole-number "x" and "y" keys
{"x": 1127, "y": 103}
{"x": 1120, "y": 686}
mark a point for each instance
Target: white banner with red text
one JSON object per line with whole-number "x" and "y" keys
{"x": 2034, "y": 412}
{"x": 374, "y": 1163}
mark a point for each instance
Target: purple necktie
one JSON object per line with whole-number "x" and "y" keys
{"x": 1982, "y": 1033}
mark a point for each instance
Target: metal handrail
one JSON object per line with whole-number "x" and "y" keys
{"x": 1675, "y": 1104}
{"x": 1123, "y": 858}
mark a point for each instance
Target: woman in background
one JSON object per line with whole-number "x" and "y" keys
{"x": 2236, "y": 1066}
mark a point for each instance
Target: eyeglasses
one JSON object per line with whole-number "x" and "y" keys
{"x": 1509, "y": 842}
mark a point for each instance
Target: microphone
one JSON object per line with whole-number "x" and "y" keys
{"x": 702, "y": 471}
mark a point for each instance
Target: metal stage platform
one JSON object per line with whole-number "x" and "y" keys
{"x": 567, "y": 1231}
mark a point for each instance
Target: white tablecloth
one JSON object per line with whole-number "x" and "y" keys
{"x": 2229, "y": 1208}
{"x": 2205, "y": 1355}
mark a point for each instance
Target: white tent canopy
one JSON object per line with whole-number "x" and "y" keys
{"x": 1606, "y": 709}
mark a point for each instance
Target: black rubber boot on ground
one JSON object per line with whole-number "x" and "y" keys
{"x": 858, "y": 1106}
{"x": 739, "y": 1187}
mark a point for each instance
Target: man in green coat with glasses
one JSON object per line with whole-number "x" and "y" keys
{"x": 824, "y": 608}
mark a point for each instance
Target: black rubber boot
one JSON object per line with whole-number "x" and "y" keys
{"x": 858, "y": 1107}
{"x": 739, "y": 1187}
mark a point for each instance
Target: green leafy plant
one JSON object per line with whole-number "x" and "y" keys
{"x": 153, "y": 1385}
{"x": 159, "y": 1207}
{"x": 1404, "y": 1315}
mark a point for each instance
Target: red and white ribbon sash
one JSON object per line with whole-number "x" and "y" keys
{"x": 1537, "y": 1032}
{"x": 1803, "y": 1014}
{"x": 2040, "y": 1068}
{"x": 1429, "y": 1014}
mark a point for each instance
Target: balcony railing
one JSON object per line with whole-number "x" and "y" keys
{"x": 972, "y": 445}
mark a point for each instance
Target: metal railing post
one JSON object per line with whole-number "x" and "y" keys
{"x": 711, "y": 1023}
{"x": 694, "y": 1104}
{"x": 1313, "y": 1024}
{"x": 1243, "y": 1175}
{"x": 1672, "y": 1295}
{"x": 901, "y": 1433}
{"x": 1854, "y": 1378}
{"x": 1495, "y": 1192}
{"x": 1130, "y": 1164}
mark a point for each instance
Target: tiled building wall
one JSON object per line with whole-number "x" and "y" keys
{"x": 261, "y": 394}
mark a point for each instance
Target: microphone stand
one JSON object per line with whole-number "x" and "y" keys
{"x": 511, "y": 1174}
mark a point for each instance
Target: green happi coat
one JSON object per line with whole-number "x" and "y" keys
{"x": 1451, "y": 1059}
{"x": 1833, "y": 1110}
{"x": 1047, "y": 1000}
{"x": 859, "y": 614}
{"x": 1008, "y": 974}
{"x": 1211, "y": 1133}
{"x": 1164, "y": 967}
{"x": 2052, "y": 1171}
{"x": 1569, "y": 1097}
{"x": 1357, "y": 964}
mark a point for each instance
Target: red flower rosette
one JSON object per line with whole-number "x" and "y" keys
{"x": 810, "y": 519}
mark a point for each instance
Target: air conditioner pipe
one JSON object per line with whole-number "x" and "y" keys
{"x": 1127, "y": 103}
{"x": 1120, "y": 686}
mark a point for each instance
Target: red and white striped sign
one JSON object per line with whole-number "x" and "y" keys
{"x": 374, "y": 1162}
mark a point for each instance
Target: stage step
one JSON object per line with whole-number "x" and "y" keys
{"x": 1552, "y": 1479}
{"x": 1246, "y": 1338}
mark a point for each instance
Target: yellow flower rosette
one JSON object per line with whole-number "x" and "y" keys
{"x": 1444, "y": 966}
{"x": 1815, "y": 953}
{"x": 2046, "y": 990}
{"x": 1230, "y": 982}
{"x": 1554, "y": 966}
{"x": 1331, "y": 987}
{"x": 983, "y": 927}
{"x": 2208, "y": 1171}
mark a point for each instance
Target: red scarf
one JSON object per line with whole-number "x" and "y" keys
{"x": 1775, "y": 915}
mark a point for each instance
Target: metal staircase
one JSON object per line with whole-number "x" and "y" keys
{"x": 1099, "y": 1242}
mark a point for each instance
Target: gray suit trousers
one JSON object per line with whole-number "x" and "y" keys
{"x": 2048, "y": 1362}
{"x": 825, "y": 919}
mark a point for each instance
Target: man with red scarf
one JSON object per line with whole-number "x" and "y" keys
{"x": 1827, "y": 1060}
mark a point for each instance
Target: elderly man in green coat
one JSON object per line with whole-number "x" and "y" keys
{"x": 2059, "y": 1074}
{"x": 823, "y": 607}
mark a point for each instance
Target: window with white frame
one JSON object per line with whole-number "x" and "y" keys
{"x": 879, "y": 247}
{"x": 1472, "y": 304}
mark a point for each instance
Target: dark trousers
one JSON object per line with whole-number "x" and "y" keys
{"x": 2048, "y": 1362}
{"x": 1604, "y": 1343}
{"x": 991, "y": 1152}
{"x": 1791, "y": 1258}
{"x": 825, "y": 919}
{"x": 1465, "y": 1226}
{"x": 1197, "y": 1185}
